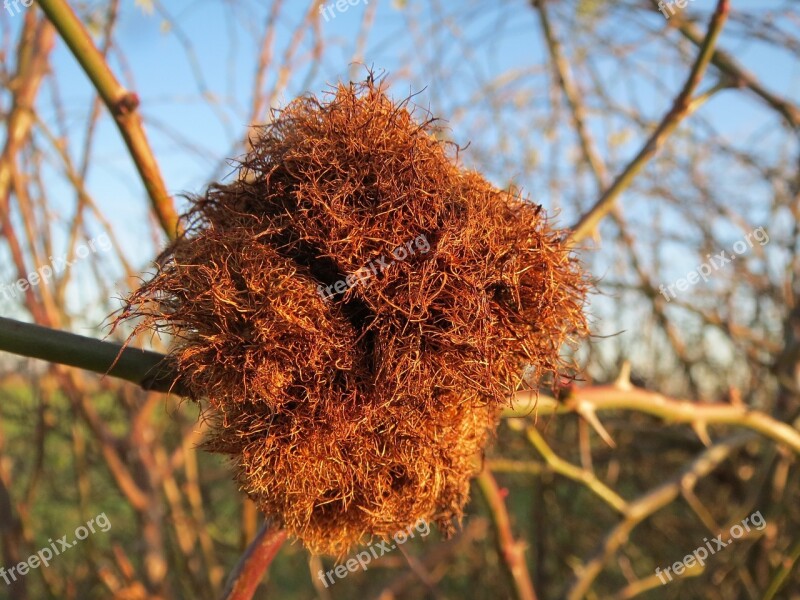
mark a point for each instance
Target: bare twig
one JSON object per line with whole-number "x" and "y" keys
{"x": 681, "y": 108}
{"x": 583, "y": 476}
{"x": 728, "y": 65}
{"x": 122, "y": 105}
{"x": 605, "y": 398}
{"x": 648, "y": 504}
{"x": 250, "y": 570}
{"x": 511, "y": 551}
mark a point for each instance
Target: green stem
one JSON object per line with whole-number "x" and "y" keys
{"x": 150, "y": 370}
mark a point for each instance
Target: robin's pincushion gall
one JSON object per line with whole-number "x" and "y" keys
{"x": 359, "y": 411}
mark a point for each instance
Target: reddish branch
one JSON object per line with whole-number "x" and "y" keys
{"x": 245, "y": 578}
{"x": 511, "y": 551}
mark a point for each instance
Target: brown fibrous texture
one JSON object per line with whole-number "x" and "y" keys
{"x": 359, "y": 410}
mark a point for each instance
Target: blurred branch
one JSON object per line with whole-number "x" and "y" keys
{"x": 578, "y": 474}
{"x": 682, "y": 107}
{"x": 652, "y": 582}
{"x": 511, "y": 551}
{"x": 36, "y": 43}
{"x": 648, "y": 504}
{"x": 474, "y": 529}
{"x": 616, "y": 397}
{"x": 250, "y": 570}
{"x": 122, "y": 105}
{"x": 573, "y": 97}
{"x": 782, "y": 573}
{"x": 728, "y": 65}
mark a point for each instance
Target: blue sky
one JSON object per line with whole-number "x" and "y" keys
{"x": 448, "y": 53}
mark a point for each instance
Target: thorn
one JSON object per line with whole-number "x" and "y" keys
{"x": 586, "y": 410}
{"x": 623, "y": 380}
{"x": 701, "y": 430}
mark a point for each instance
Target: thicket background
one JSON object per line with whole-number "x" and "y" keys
{"x": 554, "y": 97}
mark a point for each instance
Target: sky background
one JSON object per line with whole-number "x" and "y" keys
{"x": 480, "y": 66}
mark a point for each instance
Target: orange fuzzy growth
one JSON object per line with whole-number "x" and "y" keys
{"x": 358, "y": 412}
